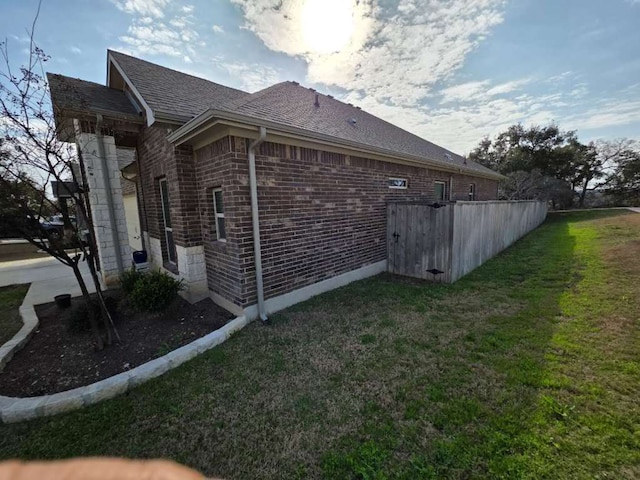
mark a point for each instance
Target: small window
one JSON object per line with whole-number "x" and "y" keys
{"x": 440, "y": 189}
{"x": 218, "y": 211}
{"x": 472, "y": 191}
{"x": 166, "y": 220}
{"x": 402, "y": 183}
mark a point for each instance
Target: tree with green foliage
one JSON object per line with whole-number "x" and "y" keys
{"x": 551, "y": 164}
{"x": 625, "y": 186}
{"x": 538, "y": 161}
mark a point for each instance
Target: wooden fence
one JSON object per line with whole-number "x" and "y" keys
{"x": 445, "y": 242}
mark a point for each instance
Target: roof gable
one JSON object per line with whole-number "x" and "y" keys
{"x": 75, "y": 95}
{"x": 169, "y": 93}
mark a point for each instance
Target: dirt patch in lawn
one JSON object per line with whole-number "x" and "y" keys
{"x": 57, "y": 359}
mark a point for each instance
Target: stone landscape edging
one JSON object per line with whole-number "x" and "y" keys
{"x": 29, "y": 324}
{"x": 16, "y": 409}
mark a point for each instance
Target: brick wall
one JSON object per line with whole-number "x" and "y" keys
{"x": 217, "y": 166}
{"x": 160, "y": 159}
{"x": 321, "y": 214}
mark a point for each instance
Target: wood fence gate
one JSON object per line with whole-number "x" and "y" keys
{"x": 443, "y": 242}
{"x": 419, "y": 239}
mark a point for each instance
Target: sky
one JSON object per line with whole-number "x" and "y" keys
{"x": 450, "y": 71}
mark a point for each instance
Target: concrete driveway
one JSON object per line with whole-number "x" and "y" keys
{"x": 47, "y": 277}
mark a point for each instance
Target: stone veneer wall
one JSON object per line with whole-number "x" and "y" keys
{"x": 87, "y": 142}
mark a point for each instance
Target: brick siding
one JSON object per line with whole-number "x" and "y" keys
{"x": 157, "y": 158}
{"x": 321, "y": 214}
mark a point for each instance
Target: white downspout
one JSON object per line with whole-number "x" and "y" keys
{"x": 257, "y": 252}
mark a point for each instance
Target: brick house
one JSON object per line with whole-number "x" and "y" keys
{"x": 256, "y": 200}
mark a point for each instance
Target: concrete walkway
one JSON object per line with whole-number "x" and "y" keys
{"x": 47, "y": 276}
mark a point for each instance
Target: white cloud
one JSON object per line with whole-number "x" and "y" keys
{"x": 251, "y": 77}
{"x": 607, "y": 113}
{"x": 76, "y": 50}
{"x": 395, "y": 53}
{"x": 464, "y": 92}
{"x": 173, "y": 36}
{"x": 217, "y": 29}
{"x": 479, "y": 90}
{"x": 154, "y": 8}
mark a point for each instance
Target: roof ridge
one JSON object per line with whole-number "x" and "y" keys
{"x": 239, "y": 102}
{"x": 351, "y": 106}
{"x": 173, "y": 70}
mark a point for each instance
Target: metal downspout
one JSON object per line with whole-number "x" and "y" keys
{"x": 107, "y": 186}
{"x": 257, "y": 252}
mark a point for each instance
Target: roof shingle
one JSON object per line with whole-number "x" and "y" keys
{"x": 171, "y": 92}
{"x": 291, "y": 104}
{"x": 73, "y": 94}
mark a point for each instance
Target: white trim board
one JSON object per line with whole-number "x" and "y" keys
{"x": 150, "y": 116}
{"x": 275, "y": 304}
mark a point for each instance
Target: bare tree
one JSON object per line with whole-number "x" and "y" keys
{"x": 34, "y": 154}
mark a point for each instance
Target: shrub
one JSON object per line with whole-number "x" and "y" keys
{"x": 154, "y": 291}
{"x": 129, "y": 278}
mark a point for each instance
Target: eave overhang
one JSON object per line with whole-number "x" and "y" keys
{"x": 212, "y": 118}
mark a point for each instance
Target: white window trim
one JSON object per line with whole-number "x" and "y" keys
{"x": 444, "y": 189}
{"x": 472, "y": 191}
{"x": 405, "y": 180}
{"x": 164, "y": 220}
{"x": 217, "y": 215}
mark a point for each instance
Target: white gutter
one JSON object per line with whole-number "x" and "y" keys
{"x": 257, "y": 252}
{"x": 107, "y": 185}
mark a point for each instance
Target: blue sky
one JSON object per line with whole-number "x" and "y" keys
{"x": 451, "y": 71}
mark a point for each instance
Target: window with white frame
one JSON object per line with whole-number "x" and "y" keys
{"x": 166, "y": 220}
{"x": 401, "y": 183}
{"x": 472, "y": 191}
{"x": 440, "y": 191}
{"x": 218, "y": 213}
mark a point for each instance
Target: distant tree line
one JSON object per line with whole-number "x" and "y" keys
{"x": 547, "y": 163}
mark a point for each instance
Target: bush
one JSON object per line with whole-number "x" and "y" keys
{"x": 153, "y": 292}
{"x": 129, "y": 278}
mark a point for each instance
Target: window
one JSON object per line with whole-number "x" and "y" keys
{"x": 398, "y": 183}
{"x": 472, "y": 191}
{"x": 218, "y": 211}
{"x": 166, "y": 218}
{"x": 440, "y": 191}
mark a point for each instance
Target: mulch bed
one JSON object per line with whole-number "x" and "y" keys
{"x": 57, "y": 359}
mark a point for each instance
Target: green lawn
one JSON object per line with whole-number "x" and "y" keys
{"x": 10, "y": 301}
{"x": 527, "y": 368}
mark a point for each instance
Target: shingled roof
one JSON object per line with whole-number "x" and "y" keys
{"x": 182, "y": 97}
{"x": 290, "y": 104}
{"x": 173, "y": 93}
{"x": 72, "y": 95}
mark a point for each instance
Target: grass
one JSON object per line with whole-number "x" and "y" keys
{"x": 10, "y": 301}
{"x": 526, "y": 368}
